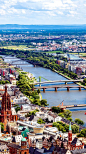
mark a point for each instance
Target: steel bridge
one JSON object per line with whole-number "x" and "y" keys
{"x": 81, "y": 80}
{"x": 59, "y": 86}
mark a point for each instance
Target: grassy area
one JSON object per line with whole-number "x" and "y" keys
{"x": 19, "y": 47}
{"x": 53, "y": 52}
{"x": 80, "y": 54}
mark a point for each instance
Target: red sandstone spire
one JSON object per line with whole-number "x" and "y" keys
{"x": 5, "y": 89}
{"x": 6, "y": 103}
{"x": 6, "y": 114}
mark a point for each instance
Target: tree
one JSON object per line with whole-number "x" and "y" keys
{"x": 16, "y": 105}
{"x": 31, "y": 113}
{"x": 67, "y": 113}
{"x": 79, "y": 121}
{"x": 40, "y": 121}
{"x": 56, "y": 109}
{"x": 44, "y": 102}
{"x": 2, "y": 126}
{"x": 17, "y": 109}
{"x": 37, "y": 102}
{"x": 70, "y": 119}
{"x": 82, "y": 133}
{"x": 61, "y": 114}
{"x": 75, "y": 128}
{"x": 55, "y": 124}
{"x": 38, "y": 91}
{"x": 7, "y": 81}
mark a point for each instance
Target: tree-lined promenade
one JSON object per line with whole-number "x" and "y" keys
{"x": 26, "y": 85}
{"x": 43, "y": 60}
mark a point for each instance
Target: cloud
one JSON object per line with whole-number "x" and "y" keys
{"x": 57, "y": 9}
{"x": 2, "y": 12}
{"x": 23, "y": 11}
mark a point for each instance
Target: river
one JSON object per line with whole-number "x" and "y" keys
{"x": 74, "y": 96}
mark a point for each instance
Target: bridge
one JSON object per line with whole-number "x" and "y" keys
{"x": 59, "y": 86}
{"x": 81, "y": 80}
{"x": 13, "y": 58}
{"x": 19, "y": 64}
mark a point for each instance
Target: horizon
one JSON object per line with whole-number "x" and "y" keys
{"x": 45, "y": 24}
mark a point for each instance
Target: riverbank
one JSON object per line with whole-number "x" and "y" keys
{"x": 54, "y": 98}
{"x": 56, "y": 72}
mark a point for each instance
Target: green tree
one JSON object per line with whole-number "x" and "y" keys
{"x": 67, "y": 113}
{"x": 40, "y": 121}
{"x": 56, "y": 109}
{"x": 75, "y": 128}
{"x": 38, "y": 91}
{"x": 82, "y": 133}
{"x": 2, "y": 126}
{"x": 31, "y": 113}
{"x": 17, "y": 109}
{"x": 55, "y": 124}
{"x": 16, "y": 105}
{"x": 44, "y": 102}
{"x": 61, "y": 114}
{"x": 70, "y": 119}
{"x": 79, "y": 121}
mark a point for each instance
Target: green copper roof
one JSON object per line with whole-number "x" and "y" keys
{"x": 24, "y": 133}
{"x": 23, "y": 139}
{"x": 70, "y": 127}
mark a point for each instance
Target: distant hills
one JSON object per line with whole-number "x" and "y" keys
{"x": 16, "y": 26}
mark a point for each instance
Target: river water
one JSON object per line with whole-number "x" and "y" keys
{"x": 74, "y": 96}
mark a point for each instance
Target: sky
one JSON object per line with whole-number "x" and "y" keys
{"x": 43, "y": 12}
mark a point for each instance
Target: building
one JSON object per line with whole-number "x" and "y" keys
{"x": 17, "y": 149}
{"x": 70, "y": 144}
{"x": 4, "y": 149}
{"x": 6, "y": 113}
{"x": 75, "y": 143}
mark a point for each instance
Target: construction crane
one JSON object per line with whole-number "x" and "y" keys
{"x": 60, "y": 104}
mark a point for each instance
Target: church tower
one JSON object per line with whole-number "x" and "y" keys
{"x": 70, "y": 134}
{"x": 5, "y": 108}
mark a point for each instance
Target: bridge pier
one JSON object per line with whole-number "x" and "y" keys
{"x": 55, "y": 88}
{"x": 43, "y": 89}
{"x": 39, "y": 84}
{"x": 68, "y": 88}
{"x": 79, "y": 88}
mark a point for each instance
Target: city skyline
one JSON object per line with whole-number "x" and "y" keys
{"x": 43, "y": 12}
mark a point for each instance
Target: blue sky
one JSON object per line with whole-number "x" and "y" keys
{"x": 54, "y": 12}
